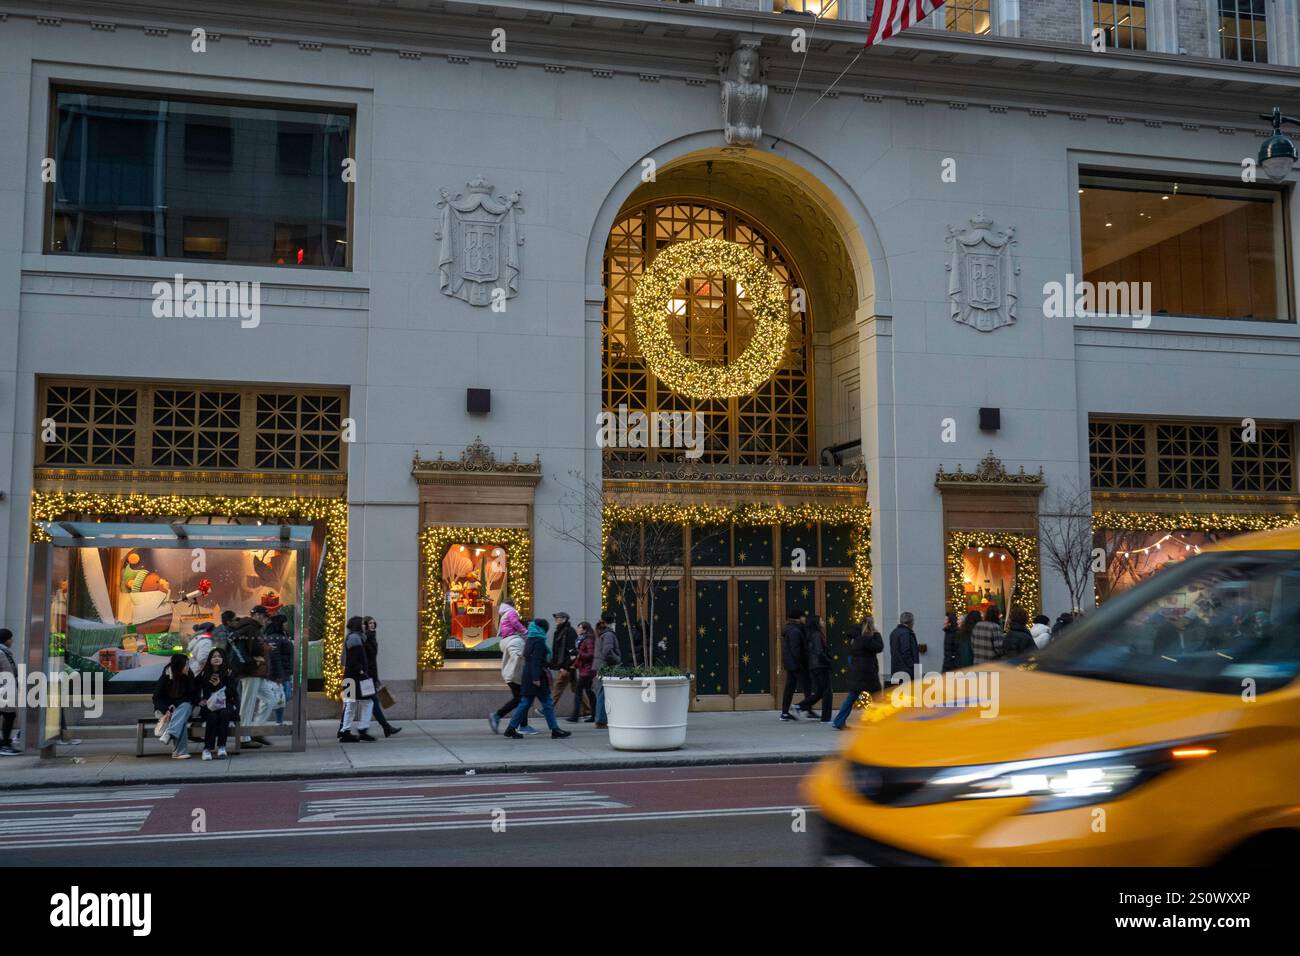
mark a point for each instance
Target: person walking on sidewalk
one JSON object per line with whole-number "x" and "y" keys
{"x": 819, "y": 671}
{"x": 904, "y": 651}
{"x": 1018, "y": 640}
{"x": 536, "y": 683}
{"x": 564, "y": 656}
{"x": 218, "y": 698}
{"x": 173, "y": 698}
{"x": 9, "y": 694}
{"x": 586, "y": 673}
{"x": 865, "y": 643}
{"x": 965, "y": 637}
{"x": 607, "y": 655}
{"x": 794, "y": 658}
{"x": 513, "y": 636}
{"x": 986, "y": 638}
{"x": 249, "y": 649}
{"x": 359, "y": 687}
{"x": 372, "y": 659}
{"x": 951, "y": 641}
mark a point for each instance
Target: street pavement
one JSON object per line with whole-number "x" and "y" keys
{"x": 427, "y": 747}
{"x": 753, "y": 814}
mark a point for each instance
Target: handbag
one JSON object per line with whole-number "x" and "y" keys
{"x": 217, "y": 701}
{"x": 386, "y": 698}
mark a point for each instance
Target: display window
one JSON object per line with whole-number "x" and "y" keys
{"x": 475, "y": 580}
{"x": 988, "y": 579}
{"x": 1133, "y": 556}
{"x": 124, "y": 612}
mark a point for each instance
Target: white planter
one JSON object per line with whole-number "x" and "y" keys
{"x": 647, "y": 713}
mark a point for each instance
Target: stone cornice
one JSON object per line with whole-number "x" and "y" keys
{"x": 679, "y": 41}
{"x": 477, "y": 465}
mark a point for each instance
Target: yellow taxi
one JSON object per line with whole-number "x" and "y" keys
{"x": 1162, "y": 730}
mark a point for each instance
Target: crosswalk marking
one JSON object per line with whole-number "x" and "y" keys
{"x": 88, "y": 795}
{"x": 81, "y": 822}
{"x": 422, "y": 783}
{"x": 460, "y": 804}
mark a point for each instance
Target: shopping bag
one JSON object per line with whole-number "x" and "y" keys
{"x": 366, "y": 688}
{"x": 163, "y": 721}
{"x": 386, "y": 698}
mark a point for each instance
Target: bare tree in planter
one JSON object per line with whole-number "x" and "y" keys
{"x": 637, "y": 557}
{"x": 1065, "y": 529}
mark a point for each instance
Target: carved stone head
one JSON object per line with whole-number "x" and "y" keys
{"x": 747, "y": 64}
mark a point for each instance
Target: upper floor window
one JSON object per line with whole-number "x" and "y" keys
{"x": 1191, "y": 456}
{"x": 1125, "y": 23}
{"x": 178, "y": 179}
{"x": 1186, "y": 248}
{"x": 825, "y": 9}
{"x": 1243, "y": 30}
{"x": 142, "y": 425}
{"x": 968, "y": 16}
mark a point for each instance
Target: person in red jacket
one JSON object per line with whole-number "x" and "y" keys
{"x": 585, "y": 664}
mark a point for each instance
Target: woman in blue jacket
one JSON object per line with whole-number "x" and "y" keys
{"x": 535, "y": 683}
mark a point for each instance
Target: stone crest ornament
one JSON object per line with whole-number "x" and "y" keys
{"x": 982, "y": 275}
{"x": 479, "y": 252}
{"x": 744, "y": 96}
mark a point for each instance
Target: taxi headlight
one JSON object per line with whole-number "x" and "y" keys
{"x": 1059, "y": 783}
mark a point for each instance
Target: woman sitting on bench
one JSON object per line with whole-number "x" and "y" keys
{"x": 219, "y": 697}
{"x": 173, "y": 697}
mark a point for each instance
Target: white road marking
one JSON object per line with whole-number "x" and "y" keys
{"x": 569, "y": 820}
{"x": 88, "y": 795}
{"x": 96, "y": 820}
{"x": 488, "y": 780}
{"x": 462, "y": 804}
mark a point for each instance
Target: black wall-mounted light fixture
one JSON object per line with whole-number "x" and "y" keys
{"x": 478, "y": 401}
{"x": 990, "y": 419}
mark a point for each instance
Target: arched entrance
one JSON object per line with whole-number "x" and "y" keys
{"x": 711, "y": 551}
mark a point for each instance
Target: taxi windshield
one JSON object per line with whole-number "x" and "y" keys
{"x": 1222, "y": 622}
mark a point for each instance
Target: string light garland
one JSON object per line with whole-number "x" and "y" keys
{"x": 750, "y": 514}
{"x": 332, "y": 512}
{"x": 1023, "y": 549}
{"x": 1160, "y": 521}
{"x": 650, "y": 309}
{"x": 435, "y": 540}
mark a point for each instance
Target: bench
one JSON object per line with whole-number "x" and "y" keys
{"x": 237, "y": 730}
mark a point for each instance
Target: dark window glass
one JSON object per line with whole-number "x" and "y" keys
{"x": 208, "y": 144}
{"x": 1187, "y": 249}
{"x": 1125, "y": 23}
{"x": 178, "y": 179}
{"x": 1243, "y": 30}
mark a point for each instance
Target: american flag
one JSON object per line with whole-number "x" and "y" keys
{"x": 895, "y": 16}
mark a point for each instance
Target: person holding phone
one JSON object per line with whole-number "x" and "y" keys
{"x": 218, "y": 694}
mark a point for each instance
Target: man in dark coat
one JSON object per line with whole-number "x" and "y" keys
{"x": 819, "y": 671}
{"x": 794, "y": 658}
{"x": 564, "y": 655}
{"x": 904, "y": 651}
{"x": 535, "y": 683}
{"x": 865, "y": 643}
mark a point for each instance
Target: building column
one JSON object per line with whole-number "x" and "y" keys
{"x": 1006, "y": 18}
{"x": 855, "y": 11}
{"x": 1284, "y": 32}
{"x": 1162, "y": 26}
{"x": 593, "y": 457}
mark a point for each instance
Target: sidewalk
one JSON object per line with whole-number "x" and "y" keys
{"x": 428, "y": 747}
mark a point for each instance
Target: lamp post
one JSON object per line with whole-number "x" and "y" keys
{"x": 1278, "y": 154}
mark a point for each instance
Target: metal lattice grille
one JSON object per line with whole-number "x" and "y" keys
{"x": 1192, "y": 456}
{"x": 1187, "y": 457}
{"x": 299, "y": 432}
{"x": 145, "y": 425}
{"x": 710, "y": 321}
{"x": 1266, "y": 463}
{"x": 89, "y": 426}
{"x": 195, "y": 429}
{"x": 1118, "y": 454}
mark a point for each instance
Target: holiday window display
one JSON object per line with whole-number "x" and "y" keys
{"x": 474, "y": 579}
{"x": 988, "y": 579}
{"x": 125, "y": 611}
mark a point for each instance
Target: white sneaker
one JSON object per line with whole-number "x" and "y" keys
{"x": 221, "y": 753}
{"x": 184, "y": 756}
{"x": 207, "y": 755}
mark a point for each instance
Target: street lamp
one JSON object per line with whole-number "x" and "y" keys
{"x": 1278, "y": 154}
